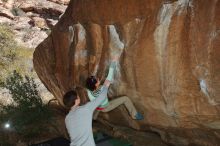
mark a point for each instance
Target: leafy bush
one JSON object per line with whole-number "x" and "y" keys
{"x": 7, "y": 43}
{"x": 12, "y": 55}
{"x": 18, "y": 12}
{"x": 28, "y": 115}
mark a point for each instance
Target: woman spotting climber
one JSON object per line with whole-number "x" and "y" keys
{"x": 79, "y": 119}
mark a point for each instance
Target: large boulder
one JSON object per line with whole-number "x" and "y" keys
{"x": 169, "y": 65}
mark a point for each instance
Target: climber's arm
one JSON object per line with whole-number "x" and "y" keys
{"x": 112, "y": 67}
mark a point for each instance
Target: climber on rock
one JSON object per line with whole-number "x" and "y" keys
{"x": 94, "y": 89}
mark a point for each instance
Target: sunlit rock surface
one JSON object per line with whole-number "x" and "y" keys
{"x": 31, "y": 22}
{"x": 169, "y": 65}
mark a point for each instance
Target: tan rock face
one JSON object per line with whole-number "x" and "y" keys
{"x": 169, "y": 66}
{"x": 40, "y": 22}
{"x": 64, "y": 2}
{"x": 6, "y": 13}
{"x": 42, "y": 7}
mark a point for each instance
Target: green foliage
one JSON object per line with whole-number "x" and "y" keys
{"x": 28, "y": 115}
{"x": 12, "y": 55}
{"x": 7, "y": 43}
{"x": 18, "y": 12}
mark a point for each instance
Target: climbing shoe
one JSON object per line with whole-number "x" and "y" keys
{"x": 139, "y": 116}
